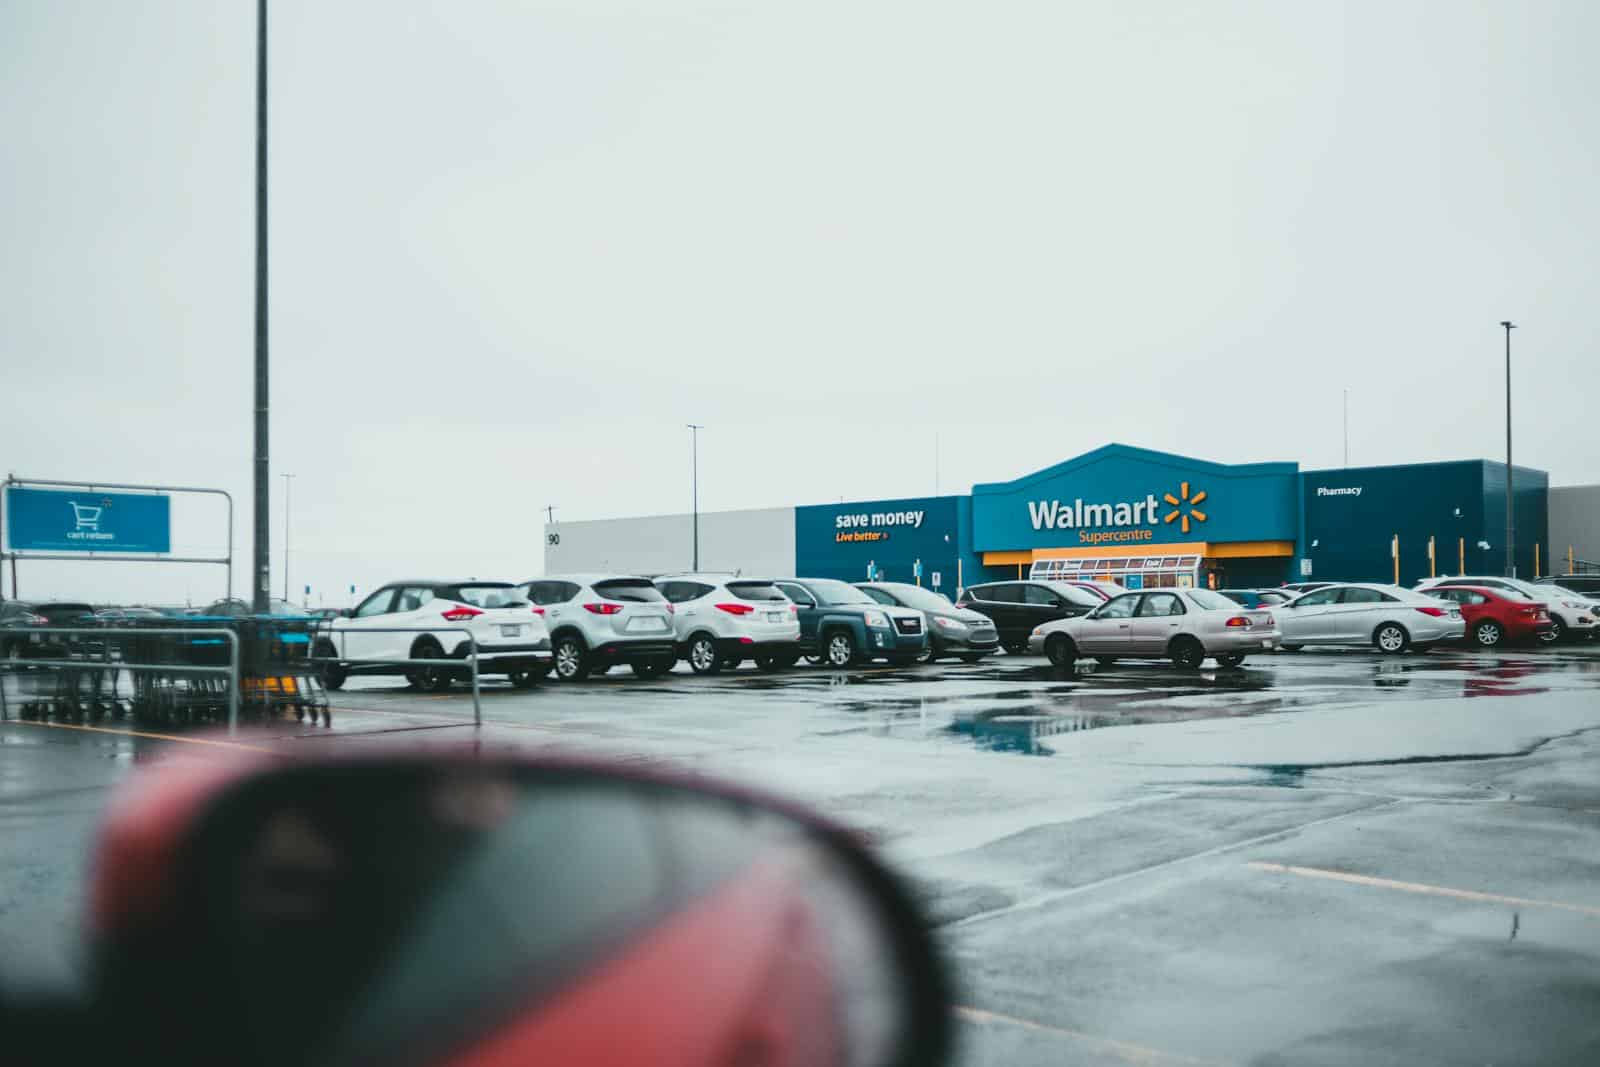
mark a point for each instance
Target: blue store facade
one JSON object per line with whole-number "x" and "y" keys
{"x": 1145, "y": 519}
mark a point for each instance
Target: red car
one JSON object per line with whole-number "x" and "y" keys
{"x": 1493, "y": 618}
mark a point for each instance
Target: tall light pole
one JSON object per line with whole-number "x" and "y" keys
{"x": 1511, "y": 559}
{"x": 694, "y": 486}
{"x": 286, "y": 479}
{"x": 261, "y": 587}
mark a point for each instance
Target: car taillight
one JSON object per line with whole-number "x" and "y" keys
{"x": 537, "y": 610}
{"x": 1240, "y": 620}
{"x": 461, "y": 613}
{"x": 35, "y": 620}
{"x": 794, "y": 609}
{"x": 1530, "y": 611}
{"x": 603, "y": 608}
{"x": 672, "y": 609}
{"x": 1437, "y": 613}
{"x": 736, "y": 609}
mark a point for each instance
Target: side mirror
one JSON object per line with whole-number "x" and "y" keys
{"x": 446, "y": 901}
{"x": 806, "y": 602}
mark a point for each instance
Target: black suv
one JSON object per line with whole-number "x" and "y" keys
{"x": 17, "y": 617}
{"x": 1017, "y": 607}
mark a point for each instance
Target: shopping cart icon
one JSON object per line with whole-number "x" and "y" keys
{"x": 87, "y": 515}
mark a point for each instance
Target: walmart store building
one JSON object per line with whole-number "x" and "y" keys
{"x": 1139, "y": 517}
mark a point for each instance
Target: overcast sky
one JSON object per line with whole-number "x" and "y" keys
{"x": 517, "y": 246}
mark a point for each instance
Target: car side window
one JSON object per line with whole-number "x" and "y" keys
{"x": 879, "y": 595}
{"x": 1119, "y": 607}
{"x": 1005, "y": 593}
{"x": 1474, "y": 598}
{"x": 675, "y": 592}
{"x": 412, "y": 598}
{"x": 376, "y": 604}
{"x": 797, "y": 594}
{"x": 1448, "y": 594}
{"x": 1362, "y": 596}
{"x": 1039, "y": 596}
{"x": 1160, "y": 604}
{"x": 699, "y": 589}
{"x": 1318, "y": 598}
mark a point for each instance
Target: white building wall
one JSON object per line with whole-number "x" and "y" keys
{"x": 757, "y": 542}
{"x": 1574, "y": 522}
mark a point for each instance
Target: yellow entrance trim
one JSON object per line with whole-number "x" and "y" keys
{"x": 1253, "y": 549}
{"x": 998, "y": 559}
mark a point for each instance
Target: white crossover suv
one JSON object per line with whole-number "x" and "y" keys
{"x": 719, "y": 620}
{"x": 1184, "y": 625}
{"x": 599, "y": 620}
{"x": 397, "y": 623}
{"x": 1389, "y": 618}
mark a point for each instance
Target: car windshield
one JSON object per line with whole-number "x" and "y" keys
{"x": 1214, "y": 601}
{"x": 828, "y": 591}
{"x": 921, "y": 599}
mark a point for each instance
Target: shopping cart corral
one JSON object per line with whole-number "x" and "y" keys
{"x": 171, "y": 673}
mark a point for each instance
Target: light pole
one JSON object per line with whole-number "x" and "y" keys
{"x": 1511, "y": 559}
{"x": 694, "y": 486}
{"x": 261, "y": 587}
{"x": 286, "y": 479}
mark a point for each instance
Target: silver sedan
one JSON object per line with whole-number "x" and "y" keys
{"x": 1184, "y": 625}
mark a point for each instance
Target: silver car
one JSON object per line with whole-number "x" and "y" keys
{"x": 1389, "y": 618}
{"x": 1184, "y": 625}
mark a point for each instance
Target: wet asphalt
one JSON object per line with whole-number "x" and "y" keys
{"x": 1323, "y": 857}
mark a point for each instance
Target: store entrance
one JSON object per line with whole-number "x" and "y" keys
{"x": 1131, "y": 572}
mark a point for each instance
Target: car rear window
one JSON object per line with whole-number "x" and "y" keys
{"x": 487, "y": 596}
{"x": 756, "y": 591}
{"x": 634, "y": 590}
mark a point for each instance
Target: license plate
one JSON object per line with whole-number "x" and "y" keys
{"x": 1267, "y": 643}
{"x": 647, "y": 622}
{"x": 774, "y": 616}
{"x": 510, "y": 631}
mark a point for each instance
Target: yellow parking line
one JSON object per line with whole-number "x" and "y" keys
{"x": 138, "y": 733}
{"x": 1418, "y": 887}
{"x": 1130, "y": 1053}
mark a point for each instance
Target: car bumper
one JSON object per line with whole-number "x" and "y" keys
{"x": 632, "y": 651}
{"x": 1438, "y": 630}
{"x": 1242, "y": 641}
{"x": 893, "y": 642}
{"x": 946, "y": 641}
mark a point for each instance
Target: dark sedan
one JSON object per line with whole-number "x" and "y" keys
{"x": 952, "y": 631}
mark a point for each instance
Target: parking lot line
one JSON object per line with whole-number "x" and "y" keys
{"x": 1418, "y": 887}
{"x": 139, "y": 733}
{"x": 1126, "y": 1050}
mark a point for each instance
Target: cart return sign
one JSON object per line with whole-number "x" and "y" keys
{"x": 52, "y": 520}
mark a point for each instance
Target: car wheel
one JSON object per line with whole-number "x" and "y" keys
{"x": 428, "y": 679}
{"x": 1558, "y": 630}
{"x": 1230, "y": 659}
{"x": 525, "y": 679}
{"x": 333, "y": 675}
{"x": 1105, "y": 661}
{"x": 703, "y": 658}
{"x": 571, "y": 659}
{"x": 1391, "y": 638}
{"x": 1488, "y": 633}
{"x": 1061, "y": 652}
{"x": 1187, "y": 653}
{"x": 839, "y": 649}
{"x": 651, "y": 668}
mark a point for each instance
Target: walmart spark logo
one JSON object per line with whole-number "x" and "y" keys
{"x": 1184, "y": 507}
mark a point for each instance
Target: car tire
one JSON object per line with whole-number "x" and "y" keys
{"x": 1486, "y": 633}
{"x": 1391, "y": 638}
{"x": 525, "y": 679}
{"x": 650, "y": 668}
{"x": 1187, "y": 653}
{"x": 1230, "y": 659}
{"x": 428, "y": 679}
{"x": 332, "y": 675}
{"x": 839, "y": 649}
{"x": 572, "y": 661}
{"x": 1061, "y": 652}
{"x": 702, "y": 654}
{"x": 1558, "y": 630}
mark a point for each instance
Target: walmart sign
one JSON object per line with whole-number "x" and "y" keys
{"x": 53, "y": 520}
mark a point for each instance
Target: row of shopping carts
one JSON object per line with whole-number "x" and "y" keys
{"x": 164, "y": 672}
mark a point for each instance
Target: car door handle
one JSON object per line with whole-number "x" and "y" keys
{"x": 1123, "y": 625}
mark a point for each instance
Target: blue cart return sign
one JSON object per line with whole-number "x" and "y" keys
{"x": 53, "y": 520}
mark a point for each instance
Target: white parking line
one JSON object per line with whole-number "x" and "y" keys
{"x": 1419, "y": 887}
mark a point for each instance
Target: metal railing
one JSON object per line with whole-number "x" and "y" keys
{"x": 470, "y": 661}
{"x": 106, "y": 663}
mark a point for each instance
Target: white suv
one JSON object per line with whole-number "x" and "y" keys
{"x": 599, "y": 620}
{"x": 720, "y": 620}
{"x": 393, "y": 625}
{"x": 1573, "y": 614}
